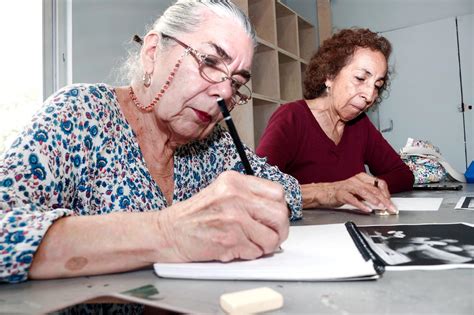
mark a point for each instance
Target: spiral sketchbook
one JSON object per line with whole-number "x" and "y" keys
{"x": 336, "y": 252}
{"x": 311, "y": 253}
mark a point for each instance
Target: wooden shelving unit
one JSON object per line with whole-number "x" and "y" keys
{"x": 286, "y": 42}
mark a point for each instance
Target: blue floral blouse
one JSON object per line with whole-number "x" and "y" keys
{"x": 79, "y": 156}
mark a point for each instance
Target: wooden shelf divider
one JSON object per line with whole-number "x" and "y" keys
{"x": 286, "y": 42}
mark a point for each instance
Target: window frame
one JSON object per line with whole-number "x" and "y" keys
{"x": 57, "y": 45}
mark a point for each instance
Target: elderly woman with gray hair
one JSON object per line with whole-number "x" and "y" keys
{"x": 110, "y": 179}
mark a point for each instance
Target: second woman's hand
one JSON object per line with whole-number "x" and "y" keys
{"x": 366, "y": 193}
{"x": 362, "y": 191}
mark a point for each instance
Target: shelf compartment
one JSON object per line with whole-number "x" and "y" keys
{"x": 324, "y": 19}
{"x": 307, "y": 39}
{"x": 265, "y": 72}
{"x": 290, "y": 78}
{"x": 262, "y": 111}
{"x": 242, "y": 115}
{"x": 303, "y": 70}
{"x": 262, "y": 16}
{"x": 287, "y": 29}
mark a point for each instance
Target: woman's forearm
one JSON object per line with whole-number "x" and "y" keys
{"x": 318, "y": 195}
{"x": 236, "y": 217}
{"x": 362, "y": 191}
{"x": 89, "y": 245}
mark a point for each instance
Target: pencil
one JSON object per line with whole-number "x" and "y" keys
{"x": 235, "y": 136}
{"x": 379, "y": 211}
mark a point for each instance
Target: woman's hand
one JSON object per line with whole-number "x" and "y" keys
{"x": 236, "y": 217}
{"x": 362, "y": 191}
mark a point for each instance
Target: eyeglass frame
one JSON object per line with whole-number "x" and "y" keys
{"x": 200, "y": 57}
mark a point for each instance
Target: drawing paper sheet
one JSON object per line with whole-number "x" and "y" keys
{"x": 466, "y": 203}
{"x": 314, "y": 252}
{"x": 410, "y": 204}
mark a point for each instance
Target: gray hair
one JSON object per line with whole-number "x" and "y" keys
{"x": 185, "y": 16}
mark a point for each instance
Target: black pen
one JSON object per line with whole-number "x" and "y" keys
{"x": 235, "y": 136}
{"x": 380, "y": 211}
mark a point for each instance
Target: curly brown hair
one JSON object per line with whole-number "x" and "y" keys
{"x": 335, "y": 53}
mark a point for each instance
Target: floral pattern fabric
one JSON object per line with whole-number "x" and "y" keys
{"x": 426, "y": 168}
{"x": 79, "y": 156}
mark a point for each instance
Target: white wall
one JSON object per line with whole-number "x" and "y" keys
{"x": 101, "y": 30}
{"x": 306, "y": 8}
{"x": 385, "y": 15}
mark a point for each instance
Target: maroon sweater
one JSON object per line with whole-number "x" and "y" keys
{"x": 294, "y": 141}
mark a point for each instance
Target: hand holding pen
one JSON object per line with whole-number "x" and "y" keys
{"x": 386, "y": 210}
{"x": 235, "y": 217}
{"x": 378, "y": 198}
{"x": 362, "y": 191}
{"x": 237, "y": 142}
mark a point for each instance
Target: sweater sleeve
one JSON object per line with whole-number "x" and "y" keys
{"x": 276, "y": 142}
{"x": 385, "y": 163}
{"x": 261, "y": 169}
{"x": 37, "y": 175}
{"x": 289, "y": 183}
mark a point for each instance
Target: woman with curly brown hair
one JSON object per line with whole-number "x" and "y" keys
{"x": 326, "y": 139}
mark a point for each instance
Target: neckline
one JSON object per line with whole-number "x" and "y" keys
{"x": 135, "y": 144}
{"x": 324, "y": 136}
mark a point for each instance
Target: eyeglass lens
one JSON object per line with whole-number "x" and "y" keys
{"x": 215, "y": 70}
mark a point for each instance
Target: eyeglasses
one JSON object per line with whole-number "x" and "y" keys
{"x": 213, "y": 69}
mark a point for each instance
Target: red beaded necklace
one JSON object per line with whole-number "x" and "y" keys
{"x": 149, "y": 107}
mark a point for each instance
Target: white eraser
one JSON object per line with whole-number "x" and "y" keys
{"x": 381, "y": 212}
{"x": 251, "y": 301}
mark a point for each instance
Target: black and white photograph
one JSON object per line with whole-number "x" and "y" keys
{"x": 423, "y": 246}
{"x": 465, "y": 203}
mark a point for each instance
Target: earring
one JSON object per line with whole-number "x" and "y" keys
{"x": 147, "y": 82}
{"x": 146, "y": 79}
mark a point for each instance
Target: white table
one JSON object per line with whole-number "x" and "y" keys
{"x": 397, "y": 292}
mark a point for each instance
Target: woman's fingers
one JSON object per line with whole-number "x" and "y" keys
{"x": 368, "y": 193}
{"x": 389, "y": 204}
{"x": 349, "y": 198}
{"x": 382, "y": 186}
{"x": 263, "y": 200}
{"x": 266, "y": 238}
{"x": 236, "y": 217}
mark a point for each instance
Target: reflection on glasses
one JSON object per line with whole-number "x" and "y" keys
{"x": 214, "y": 69}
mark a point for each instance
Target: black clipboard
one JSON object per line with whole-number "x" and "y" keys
{"x": 438, "y": 186}
{"x": 364, "y": 248}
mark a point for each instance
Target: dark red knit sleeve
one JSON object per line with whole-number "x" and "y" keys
{"x": 384, "y": 162}
{"x": 276, "y": 142}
